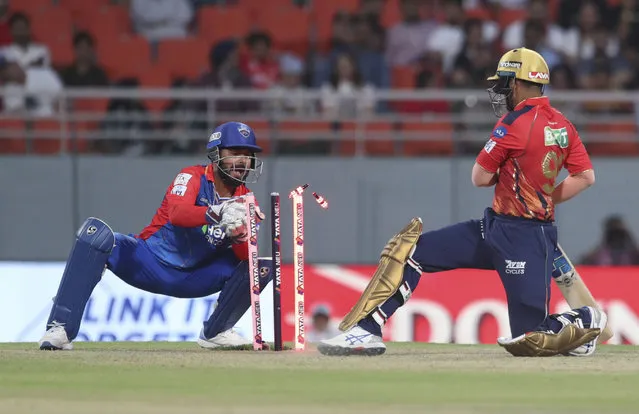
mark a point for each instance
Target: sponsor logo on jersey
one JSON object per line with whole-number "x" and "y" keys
{"x": 490, "y": 145}
{"x": 179, "y": 190}
{"x": 556, "y": 137}
{"x": 182, "y": 179}
{"x": 500, "y": 132}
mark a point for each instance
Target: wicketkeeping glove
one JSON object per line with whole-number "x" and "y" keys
{"x": 231, "y": 216}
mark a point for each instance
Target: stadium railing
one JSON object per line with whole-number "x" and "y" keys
{"x": 401, "y": 122}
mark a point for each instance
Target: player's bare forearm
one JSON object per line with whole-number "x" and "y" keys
{"x": 483, "y": 178}
{"x": 572, "y": 186}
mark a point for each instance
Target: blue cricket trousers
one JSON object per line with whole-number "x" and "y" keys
{"x": 520, "y": 250}
{"x": 132, "y": 261}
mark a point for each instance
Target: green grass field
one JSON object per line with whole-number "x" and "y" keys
{"x": 174, "y": 378}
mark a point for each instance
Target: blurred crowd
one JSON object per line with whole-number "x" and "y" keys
{"x": 617, "y": 246}
{"x": 588, "y": 44}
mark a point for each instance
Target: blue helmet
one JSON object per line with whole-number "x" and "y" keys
{"x": 234, "y": 135}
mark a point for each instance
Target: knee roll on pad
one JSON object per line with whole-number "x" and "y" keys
{"x": 97, "y": 234}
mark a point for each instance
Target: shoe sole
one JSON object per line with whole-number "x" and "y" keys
{"x": 332, "y": 350}
{"x": 48, "y": 346}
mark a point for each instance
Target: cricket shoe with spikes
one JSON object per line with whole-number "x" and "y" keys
{"x": 355, "y": 341}
{"x": 55, "y": 338}
{"x": 587, "y": 317}
{"x": 226, "y": 339}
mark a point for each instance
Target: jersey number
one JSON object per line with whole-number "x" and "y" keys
{"x": 551, "y": 167}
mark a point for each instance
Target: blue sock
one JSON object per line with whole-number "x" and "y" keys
{"x": 556, "y": 322}
{"x": 373, "y": 323}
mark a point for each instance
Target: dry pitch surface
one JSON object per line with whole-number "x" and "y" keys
{"x": 175, "y": 378}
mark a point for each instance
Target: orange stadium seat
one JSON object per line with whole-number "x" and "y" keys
{"x": 481, "y": 14}
{"x": 155, "y": 77}
{"x": 391, "y": 14}
{"x": 12, "y": 136}
{"x": 438, "y": 138}
{"x": 289, "y": 28}
{"x": 508, "y": 16}
{"x": 54, "y": 29}
{"x": 186, "y": 58}
{"x": 79, "y": 8}
{"x": 379, "y": 139}
{"x": 300, "y": 132}
{"x": 256, "y": 7}
{"x": 218, "y": 23}
{"x": 105, "y": 23}
{"x": 91, "y": 110}
{"x": 31, "y": 7}
{"x": 347, "y": 142}
{"x": 553, "y": 8}
{"x": 403, "y": 77}
{"x": 134, "y": 49}
{"x": 322, "y": 13}
{"x": 47, "y": 136}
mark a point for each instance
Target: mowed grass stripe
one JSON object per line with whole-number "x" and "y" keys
{"x": 450, "y": 377}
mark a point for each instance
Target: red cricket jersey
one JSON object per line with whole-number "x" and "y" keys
{"x": 175, "y": 233}
{"x": 529, "y": 146}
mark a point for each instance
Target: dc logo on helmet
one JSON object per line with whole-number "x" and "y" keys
{"x": 244, "y": 130}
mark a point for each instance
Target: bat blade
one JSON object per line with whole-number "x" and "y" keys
{"x": 577, "y": 294}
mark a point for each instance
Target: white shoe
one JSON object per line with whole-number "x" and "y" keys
{"x": 598, "y": 319}
{"x": 55, "y": 339}
{"x": 355, "y": 341}
{"x": 226, "y": 339}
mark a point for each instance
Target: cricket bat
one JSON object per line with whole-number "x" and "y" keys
{"x": 575, "y": 291}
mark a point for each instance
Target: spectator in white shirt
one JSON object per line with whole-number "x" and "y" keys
{"x": 448, "y": 38}
{"x": 23, "y": 50}
{"x": 33, "y": 91}
{"x": 578, "y": 42}
{"x": 513, "y": 36}
{"x": 161, "y": 19}
{"x": 408, "y": 41}
{"x": 346, "y": 95}
{"x": 290, "y": 89}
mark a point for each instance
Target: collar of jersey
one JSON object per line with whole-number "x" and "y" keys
{"x": 208, "y": 171}
{"x": 537, "y": 101}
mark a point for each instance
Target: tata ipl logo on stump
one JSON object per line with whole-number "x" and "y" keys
{"x": 298, "y": 264}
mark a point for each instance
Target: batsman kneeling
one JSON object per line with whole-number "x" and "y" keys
{"x": 196, "y": 245}
{"x": 517, "y": 237}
